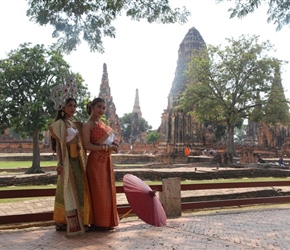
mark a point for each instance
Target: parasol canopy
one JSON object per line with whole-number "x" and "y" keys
{"x": 143, "y": 201}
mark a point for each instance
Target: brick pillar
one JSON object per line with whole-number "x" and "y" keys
{"x": 170, "y": 197}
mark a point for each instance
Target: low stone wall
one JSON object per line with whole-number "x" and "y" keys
{"x": 13, "y": 146}
{"x": 218, "y": 174}
{"x": 117, "y": 158}
{"x": 132, "y": 158}
{"x": 153, "y": 175}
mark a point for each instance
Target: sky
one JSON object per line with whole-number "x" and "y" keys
{"x": 143, "y": 56}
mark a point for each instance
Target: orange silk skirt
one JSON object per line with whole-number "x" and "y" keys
{"x": 101, "y": 180}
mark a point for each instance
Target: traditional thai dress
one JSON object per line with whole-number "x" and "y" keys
{"x": 101, "y": 178}
{"x": 72, "y": 200}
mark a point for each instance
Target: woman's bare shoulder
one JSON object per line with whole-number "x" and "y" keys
{"x": 88, "y": 125}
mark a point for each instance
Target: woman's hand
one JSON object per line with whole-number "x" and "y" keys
{"x": 59, "y": 168}
{"x": 115, "y": 143}
{"x": 113, "y": 147}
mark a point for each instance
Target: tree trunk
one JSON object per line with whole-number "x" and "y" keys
{"x": 35, "y": 168}
{"x": 230, "y": 141}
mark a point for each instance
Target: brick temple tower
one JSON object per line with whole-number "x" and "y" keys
{"x": 177, "y": 129}
{"x": 105, "y": 93}
{"x": 137, "y": 115}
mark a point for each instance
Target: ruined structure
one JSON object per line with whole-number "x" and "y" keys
{"x": 272, "y": 135}
{"x": 105, "y": 93}
{"x": 177, "y": 129}
{"x": 137, "y": 115}
{"x": 271, "y": 132}
{"x": 251, "y": 138}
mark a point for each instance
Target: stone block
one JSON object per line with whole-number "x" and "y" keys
{"x": 170, "y": 197}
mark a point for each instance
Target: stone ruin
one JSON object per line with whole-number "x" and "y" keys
{"x": 110, "y": 112}
{"x": 179, "y": 130}
{"x": 136, "y": 135}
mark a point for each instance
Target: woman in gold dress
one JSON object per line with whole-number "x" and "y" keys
{"x": 72, "y": 208}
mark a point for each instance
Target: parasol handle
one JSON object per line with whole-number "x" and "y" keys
{"x": 124, "y": 215}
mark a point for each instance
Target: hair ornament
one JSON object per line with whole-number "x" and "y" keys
{"x": 60, "y": 93}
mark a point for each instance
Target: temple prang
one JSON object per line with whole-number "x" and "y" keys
{"x": 267, "y": 134}
{"x": 178, "y": 129}
{"x": 136, "y": 135}
{"x": 136, "y": 107}
{"x": 110, "y": 112}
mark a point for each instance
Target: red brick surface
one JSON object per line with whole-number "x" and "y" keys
{"x": 266, "y": 228}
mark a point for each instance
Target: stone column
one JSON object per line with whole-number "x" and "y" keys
{"x": 170, "y": 197}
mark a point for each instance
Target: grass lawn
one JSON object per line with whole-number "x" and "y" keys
{"x": 24, "y": 164}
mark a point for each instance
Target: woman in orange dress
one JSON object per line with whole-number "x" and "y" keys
{"x": 100, "y": 140}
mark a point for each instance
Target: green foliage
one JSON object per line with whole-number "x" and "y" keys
{"x": 92, "y": 20}
{"x": 226, "y": 84}
{"x": 278, "y": 11}
{"x": 27, "y": 76}
{"x": 257, "y": 113}
{"x": 219, "y": 130}
{"x": 83, "y": 98}
{"x": 126, "y": 126}
{"x": 127, "y": 123}
{"x": 276, "y": 109}
{"x": 13, "y": 134}
{"x": 152, "y": 136}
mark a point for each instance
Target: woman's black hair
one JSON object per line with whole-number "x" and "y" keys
{"x": 60, "y": 115}
{"x": 93, "y": 103}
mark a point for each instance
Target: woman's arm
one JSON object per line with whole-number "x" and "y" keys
{"x": 86, "y": 132}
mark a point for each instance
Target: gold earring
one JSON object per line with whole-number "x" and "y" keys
{"x": 62, "y": 113}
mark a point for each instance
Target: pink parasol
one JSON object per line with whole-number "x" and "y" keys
{"x": 143, "y": 201}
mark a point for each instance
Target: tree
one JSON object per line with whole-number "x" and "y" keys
{"x": 27, "y": 76}
{"x": 226, "y": 84}
{"x": 276, "y": 108}
{"x": 152, "y": 136}
{"x": 127, "y": 123}
{"x": 91, "y": 20}
{"x": 278, "y": 11}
